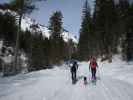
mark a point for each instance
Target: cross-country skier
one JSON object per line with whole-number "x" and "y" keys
{"x": 93, "y": 66}
{"x": 73, "y": 69}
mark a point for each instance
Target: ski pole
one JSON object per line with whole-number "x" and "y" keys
{"x": 89, "y": 74}
{"x": 99, "y": 73}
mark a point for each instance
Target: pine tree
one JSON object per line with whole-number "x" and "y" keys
{"x": 56, "y": 25}
{"x": 71, "y": 49}
{"x": 46, "y": 50}
{"x": 98, "y": 18}
{"x": 129, "y": 35}
{"x": 105, "y": 21}
{"x": 123, "y": 12}
{"x": 56, "y": 39}
{"x": 123, "y": 8}
{"x": 25, "y": 41}
{"x": 84, "y": 45}
{"x": 8, "y": 21}
{"x": 21, "y": 7}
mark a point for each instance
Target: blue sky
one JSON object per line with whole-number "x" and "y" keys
{"x": 71, "y": 10}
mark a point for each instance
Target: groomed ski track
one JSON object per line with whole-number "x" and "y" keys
{"x": 56, "y": 84}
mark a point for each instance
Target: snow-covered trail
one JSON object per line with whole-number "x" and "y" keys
{"x": 56, "y": 84}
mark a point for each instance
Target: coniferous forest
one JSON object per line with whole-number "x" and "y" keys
{"x": 107, "y": 30}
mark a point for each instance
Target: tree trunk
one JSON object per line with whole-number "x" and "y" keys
{"x": 17, "y": 46}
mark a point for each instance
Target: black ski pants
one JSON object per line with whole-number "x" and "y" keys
{"x": 93, "y": 72}
{"x": 73, "y": 75}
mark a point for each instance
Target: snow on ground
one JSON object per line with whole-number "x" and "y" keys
{"x": 118, "y": 69}
{"x": 115, "y": 83}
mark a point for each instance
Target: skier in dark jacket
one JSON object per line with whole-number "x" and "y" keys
{"x": 73, "y": 69}
{"x": 93, "y": 66}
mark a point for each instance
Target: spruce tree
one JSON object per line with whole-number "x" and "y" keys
{"x": 38, "y": 57}
{"x": 8, "y": 21}
{"x": 84, "y": 45}
{"x": 56, "y": 25}
{"x": 128, "y": 42}
{"x": 21, "y": 7}
{"x": 123, "y": 12}
{"x": 105, "y": 22}
{"x": 123, "y": 9}
{"x": 56, "y": 37}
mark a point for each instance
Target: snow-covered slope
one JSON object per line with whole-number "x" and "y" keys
{"x": 115, "y": 83}
{"x": 27, "y": 22}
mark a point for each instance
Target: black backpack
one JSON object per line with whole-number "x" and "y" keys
{"x": 74, "y": 67}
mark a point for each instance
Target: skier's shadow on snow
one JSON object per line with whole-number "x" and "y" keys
{"x": 80, "y": 77}
{"x": 83, "y": 78}
{"x": 89, "y": 81}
